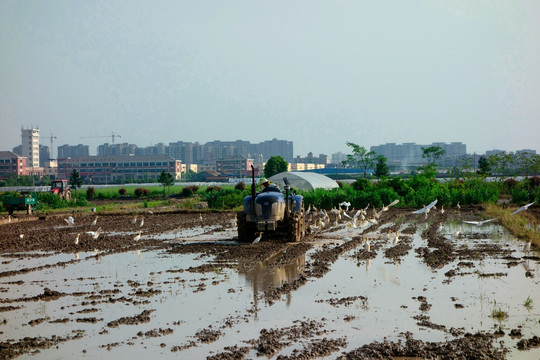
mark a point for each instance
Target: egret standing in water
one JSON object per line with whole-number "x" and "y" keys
{"x": 527, "y": 247}
{"x": 137, "y": 237}
{"x": 367, "y": 246}
{"x": 77, "y": 239}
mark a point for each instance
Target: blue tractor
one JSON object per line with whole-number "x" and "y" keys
{"x": 271, "y": 214}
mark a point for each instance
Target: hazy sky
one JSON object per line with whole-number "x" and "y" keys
{"x": 319, "y": 73}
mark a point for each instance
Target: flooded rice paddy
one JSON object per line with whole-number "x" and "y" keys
{"x": 194, "y": 292}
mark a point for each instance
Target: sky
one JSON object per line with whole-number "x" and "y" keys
{"x": 318, "y": 73}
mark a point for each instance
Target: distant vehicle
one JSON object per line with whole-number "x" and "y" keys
{"x": 21, "y": 200}
{"x": 61, "y": 188}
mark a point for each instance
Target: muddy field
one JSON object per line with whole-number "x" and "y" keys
{"x": 178, "y": 285}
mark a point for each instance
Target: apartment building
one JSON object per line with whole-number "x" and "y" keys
{"x": 115, "y": 168}
{"x": 12, "y": 164}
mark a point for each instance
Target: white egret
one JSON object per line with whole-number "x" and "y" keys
{"x": 440, "y": 228}
{"x": 396, "y": 239}
{"x": 21, "y": 236}
{"x": 442, "y": 209}
{"x": 458, "y": 206}
{"x": 523, "y": 208}
{"x": 258, "y": 238}
{"x": 77, "y": 256}
{"x": 94, "y": 222}
{"x": 94, "y": 234}
{"x": 134, "y": 220}
{"x": 70, "y": 221}
{"x": 458, "y": 231}
{"x": 385, "y": 208}
{"x": 347, "y": 216}
{"x": 367, "y": 246}
{"x": 479, "y": 223}
{"x": 142, "y": 221}
{"x": 200, "y": 217}
{"x": 9, "y": 218}
{"x": 77, "y": 239}
{"x": 138, "y": 236}
{"x": 425, "y": 209}
{"x": 527, "y": 247}
{"x": 346, "y": 205}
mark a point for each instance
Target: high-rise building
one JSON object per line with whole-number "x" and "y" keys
{"x": 30, "y": 146}
{"x": 73, "y": 151}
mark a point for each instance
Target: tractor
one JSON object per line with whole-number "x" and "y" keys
{"x": 271, "y": 214}
{"x": 61, "y": 188}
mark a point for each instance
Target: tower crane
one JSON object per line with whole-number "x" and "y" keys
{"x": 52, "y": 137}
{"x": 113, "y": 135}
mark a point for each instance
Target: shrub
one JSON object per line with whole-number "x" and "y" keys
{"x": 509, "y": 184}
{"x": 224, "y": 199}
{"x": 520, "y": 196}
{"x": 122, "y": 191}
{"x": 187, "y": 192}
{"x": 534, "y": 182}
{"x": 361, "y": 184}
{"x": 193, "y": 188}
{"x": 240, "y": 186}
{"x": 140, "y": 192}
{"x": 212, "y": 188}
{"x": 90, "y": 192}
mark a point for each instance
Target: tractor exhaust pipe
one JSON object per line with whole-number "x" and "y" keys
{"x": 253, "y": 192}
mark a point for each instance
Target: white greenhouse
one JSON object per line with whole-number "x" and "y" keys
{"x": 304, "y": 180}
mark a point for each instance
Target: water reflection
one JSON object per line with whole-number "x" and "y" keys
{"x": 265, "y": 276}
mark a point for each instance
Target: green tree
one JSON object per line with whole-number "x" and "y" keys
{"x": 275, "y": 165}
{"x": 45, "y": 180}
{"x": 432, "y": 153}
{"x": 166, "y": 180}
{"x": 360, "y": 157}
{"x": 484, "y": 168}
{"x": 381, "y": 168}
{"x": 75, "y": 180}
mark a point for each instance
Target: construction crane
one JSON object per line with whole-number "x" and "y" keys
{"x": 52, "y": 137}
{"x": 113, "y": 135}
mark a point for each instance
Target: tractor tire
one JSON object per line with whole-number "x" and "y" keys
{"x": 66, "y": 195}
{"x": 246, "y": 230}
{"x": 296, "y": 229}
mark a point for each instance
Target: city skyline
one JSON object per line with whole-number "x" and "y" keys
{"x": 319, "y": 74}
{"x": 412, "y": 149}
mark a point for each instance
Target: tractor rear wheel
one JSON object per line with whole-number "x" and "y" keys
{"x": 246, "y": 230}
{"x": 296, "y": 226}
{"x": 66, "y": 195}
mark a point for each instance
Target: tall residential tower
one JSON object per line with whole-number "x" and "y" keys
{"x": 30, "y": 146}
